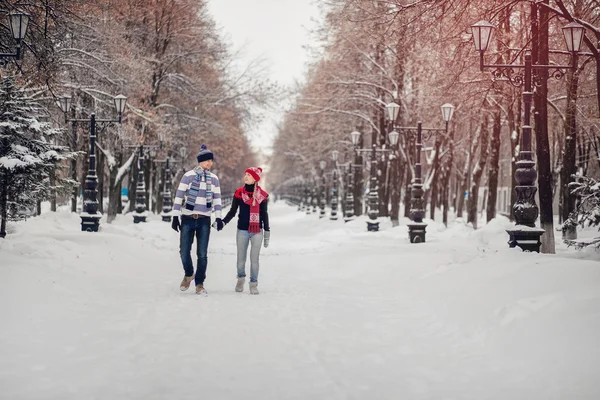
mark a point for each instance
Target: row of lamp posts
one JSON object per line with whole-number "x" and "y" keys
{"x": 527, "y": 75}
{"x": 526, "y": 211}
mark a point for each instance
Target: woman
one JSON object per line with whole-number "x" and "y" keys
{"x": 253, "y": 226}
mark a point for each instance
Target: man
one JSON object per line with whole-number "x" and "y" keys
{"x": 198, "y": 195}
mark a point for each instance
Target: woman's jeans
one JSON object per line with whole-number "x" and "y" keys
{"x": 242, "y": 240}
{"x": 200, "y": 228}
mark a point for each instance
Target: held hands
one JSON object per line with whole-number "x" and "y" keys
{"x": 219, "y": 223}
{"x": 266, "y": 237}
{"x": 175, "y": 224}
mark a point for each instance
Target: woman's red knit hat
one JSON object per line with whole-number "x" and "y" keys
{"x": 256, "y": 172}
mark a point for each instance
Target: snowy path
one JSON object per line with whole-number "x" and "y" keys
{"x": 343, "y": 314}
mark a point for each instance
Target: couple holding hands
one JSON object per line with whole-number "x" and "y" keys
{"x": 198, "y": 195}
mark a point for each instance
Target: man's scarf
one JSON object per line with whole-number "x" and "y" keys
{"x": 253, "y": 199}
{"x": 194, "y": 189}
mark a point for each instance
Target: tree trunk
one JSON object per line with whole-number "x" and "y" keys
{"x": 395, "y": 186}
{"x": 100, "y": 158}
{"x": 494, "y": 167}
{"x": 434, "y": 182}
{"x": 3, "y": 202}
{"x": 569, "y": 165}
{"x": 52, "y": 179}
{"x": 74, "y": 147}
{"x": 407, "y": 192}
{"x": 160, "y": 183}
{"x": 132, "y": 186}
{"x": 540, "y": 55}
{"x": 477, "y": 173}
{"x": 446, "y": 180}
{"x": 358, "y": 187}
{"x": 466, "y": 176}
{"x": 148, "y": 181}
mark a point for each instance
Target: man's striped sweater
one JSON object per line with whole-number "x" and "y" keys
{"x": 200, "y": 206}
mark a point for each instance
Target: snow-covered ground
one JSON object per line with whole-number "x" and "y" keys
{"x": 343, "y": 314}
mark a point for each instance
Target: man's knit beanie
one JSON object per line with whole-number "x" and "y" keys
{"x": 205, "y": 154}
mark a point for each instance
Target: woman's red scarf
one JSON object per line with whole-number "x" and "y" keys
{"x": 253, "y": 199}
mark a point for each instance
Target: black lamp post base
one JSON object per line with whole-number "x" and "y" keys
{"x": 416, "y": 232}
{"x": 90, "y": 222}
{"x": 528, "y": 239}
{"x": 166, "y": 217}
{"x": 137, "y": 219}
{"x": 372, "y": 226}
{"x": 321, "y": 214}
{"x": 348, "y": 219}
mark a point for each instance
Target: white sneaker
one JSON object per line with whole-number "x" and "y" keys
{"x": 239, "y": 287}
{"x": 253, "y": 287}
{"x": 200, "y": 290}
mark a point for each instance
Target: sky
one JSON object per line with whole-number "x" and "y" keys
{"x": 275, "y": 30}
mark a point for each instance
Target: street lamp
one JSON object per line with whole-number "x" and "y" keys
{"x": 334, "y": 190}
{"x": 573, "y": 34}
{"x": 373, "y": 195}
{"x": 18, "y": 22}
{"x": 525, "y": 209}
{"x": 90, "y": 217}
{"x": 142, "y": 199}
{"x": 353, "y": 165}
{"x": 183, "y": 154}
{"x": 417, "y": 228}
{"x": 393, "y": 109}
{"x": 393, "y": 136}
{"x": 140, "y": 213}
{"x": 322, "y": 201}
{"x": 314, "y": 191}
{"x": 355, "y": 137}
{"x": 447, "y": 112}
{"x": 167, "y": 204}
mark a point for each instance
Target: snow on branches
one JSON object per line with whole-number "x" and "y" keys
{"x": 587, "y": 212}
{"x": 29, "y": 159}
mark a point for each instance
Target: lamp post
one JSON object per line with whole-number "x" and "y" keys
{"x": 354, "y": 137}
{"x": 314, "y": 191}
{"x": 348, "y": 192}
{"x": 334, "y": 189}
{"x": 140, "y": 213}
{"x": 18, "y": 22}
{"x": 526, "y": 75}
{"x": 373, "y": 196}
{"x": 308, "y": 198}
{"x": 417, "y": 229}
{"x": 322, "y": 189}
{"x": 167, "y": 205}
{"x": 393, "y": 109}
{"x": 90, "y": 217}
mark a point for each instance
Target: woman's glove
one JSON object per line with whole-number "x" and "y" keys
{"x": 266, "y": 237}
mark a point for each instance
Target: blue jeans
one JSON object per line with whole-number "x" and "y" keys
{"x": 200, "y": 228}
{"x": 243, "y": 238}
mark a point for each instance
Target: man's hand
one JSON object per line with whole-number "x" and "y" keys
{"x": 266, "y": 237}
{"x": 219, "y": 223}
{"x": 175, "y": 224}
